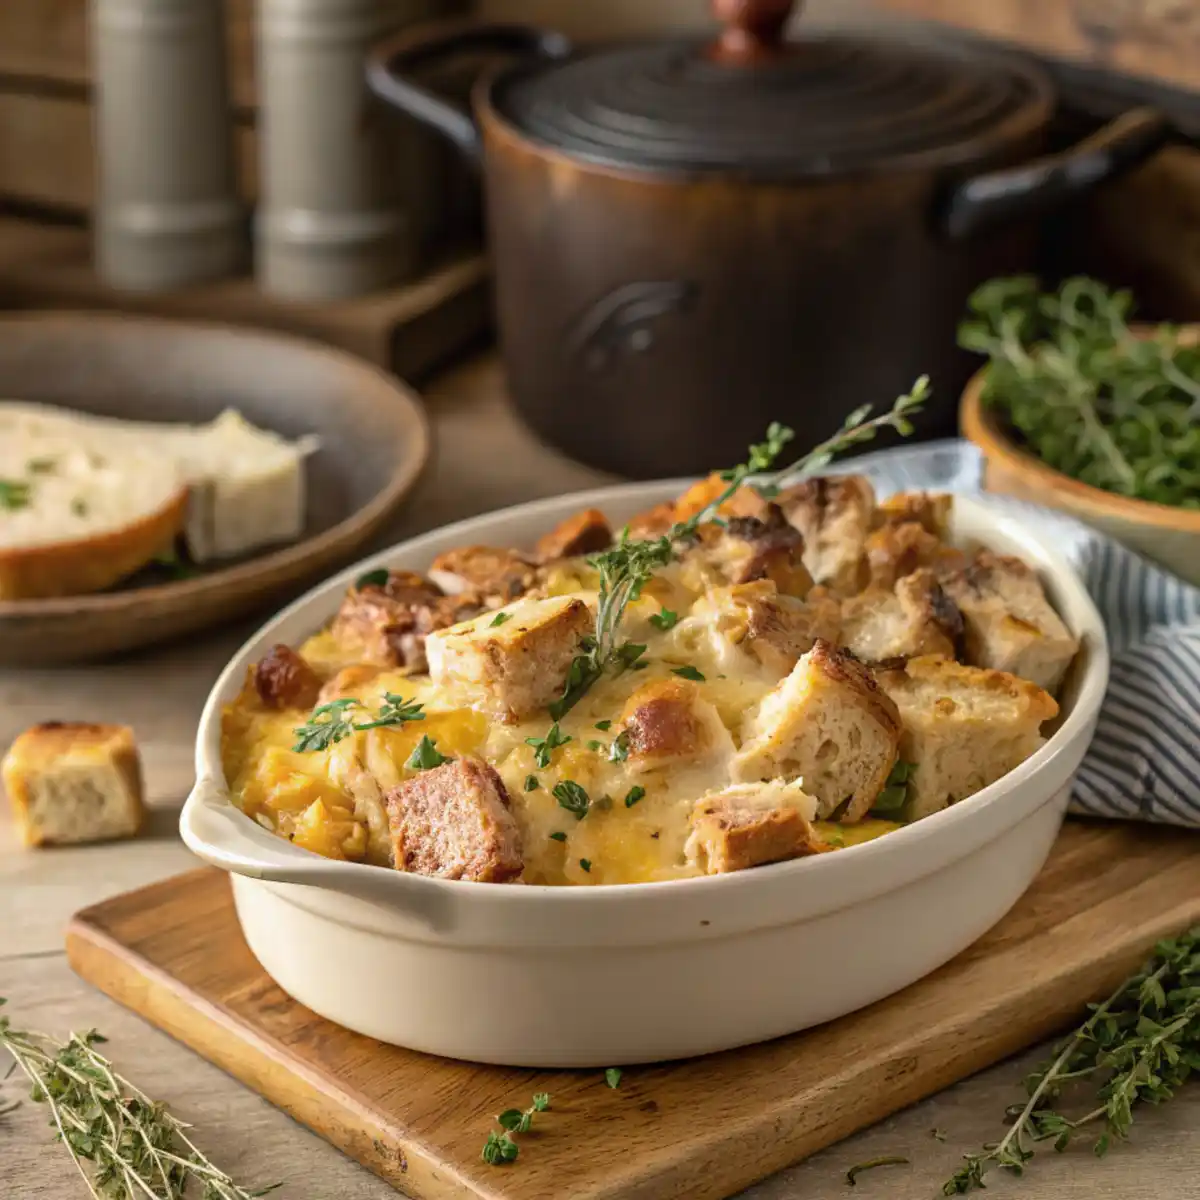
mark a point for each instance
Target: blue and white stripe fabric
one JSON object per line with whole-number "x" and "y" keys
{"x": 1144, "y": 763}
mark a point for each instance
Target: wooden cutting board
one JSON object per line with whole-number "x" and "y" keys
{"x": 702, "y": 1129}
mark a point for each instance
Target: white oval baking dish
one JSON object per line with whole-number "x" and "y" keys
{"x": 608, "y": 975}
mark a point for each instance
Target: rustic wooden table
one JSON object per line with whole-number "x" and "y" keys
{"x": 485, "y": 459}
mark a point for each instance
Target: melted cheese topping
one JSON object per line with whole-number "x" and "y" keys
{"x": 311, "y": 797}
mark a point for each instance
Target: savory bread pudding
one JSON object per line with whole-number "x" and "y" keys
{"x": 731, "y": 682}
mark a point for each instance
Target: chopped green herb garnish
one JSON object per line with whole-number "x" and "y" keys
{"x": 603, "y": 726}
{"x": 895, "y": 792}
{"x": 629, "y": 655}
{"x": 332, "y": 722}
{"x": 544, "y": 747}
{"x": 425, "y": 757}
{"x": 573, "y": 798}
{"x": 595, "y": 745}
{"x": 888, "y": 1160}
{"x": 531, "y": 783}
{"x": 79, "y": 507}
{"x": 619, "y": 750}
{"x": 634, "y": 794}
{"x": 373, "y": 579}
{"x": 395, "y": 710}
{"x": 613, "y": 1077}
{"x": 558, "y": 837}
{"x": 688, "y": 672}
{"x": 499, "y": 1149}
{"x": 499, "y": 619}
{"x": 586, "y": 864}
{"x": 41, "y": 466}
{"x": 664, "y": 619}
{"x": 13, "y": 494}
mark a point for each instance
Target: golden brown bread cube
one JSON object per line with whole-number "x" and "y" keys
{"x": 71, "y": 783}
{"x": 963, "y": 727}
{"x": 749, "y": 825}
{"x": 385, "y": 625}
{"x": 1009, "y": 623}
{"x": 496, "y": 576}
{"x": 828, "y": 725}
{"x": 748, "y": 549}
{"x": 586, "y": 532}
{"x": 916, "y": 617}
{"x": 513, "y": 662}
{"x": 930, "y": 510}
{"x": 667, "y": 722}
{"x": 896, "y": 550}
{"x": 834, "y": 515}
{"x": 455, "y": 822}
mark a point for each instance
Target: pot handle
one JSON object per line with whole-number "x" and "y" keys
{"x": 1033, "y": 188}
{"x": 390, "y": 65}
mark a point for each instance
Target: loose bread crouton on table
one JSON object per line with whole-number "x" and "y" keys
{"x": 829, "y": 725}
{"x": 1009, "y": 624}
{"x": 963, "y": 727}
{"x": 455, "y": 822}
{"x": 514, "y": 662}
{"x": 914, "y": 618}
{"x": 73, "y": 783}
{"x": 749, "y": 825}
{"x": 667, "y": 722}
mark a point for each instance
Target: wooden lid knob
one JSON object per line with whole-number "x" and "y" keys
{"x": 753, "y": 29}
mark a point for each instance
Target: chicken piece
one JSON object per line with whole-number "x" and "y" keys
{"x": 347, "y": 683}
{"x": 894, "y": 551}
{"x": 833, "y": 515}
{"x": 828, "y": 725}
{"x": 587, "y": 532}
{"x": 667, "y": 722}
{"x": 917, "y": 617}
{"x": 386, "y": 624}
{"x": 513, "y": 663}
{"x": 283, "y": 679}
{"x": 1009, "y": 623}
{"x": 72, "y": 783}
{"x": 748, "y": 825}
{"x": 750, "y": 548}
{"x": 455, "y": 822}
{"x": 930, "y": 510}
{"x": 496, "y": 576}
{"x": 963, "y": 728}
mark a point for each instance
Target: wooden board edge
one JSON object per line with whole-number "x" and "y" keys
{"x": 263, "y": 1065}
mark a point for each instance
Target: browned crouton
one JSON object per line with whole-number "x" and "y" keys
{"x": 963, "y": 727}
{"x": 917, "y": 617}
{"x": 749, "y": 825}
{"x": 894, "y": 551}
{"x": 828, "y": 725}
{"x": 283, "y": 679}
{"x": 667, "y": 722}
{"x": 385, "y": 625}
{"x": 1010, "y": 625}
{"x": 833, "y": 514}
{"x": 654, "y": 522}
{"x": 455, "y": 822}
{"x": 753, "y": 548}
{"x": 587, "y": 532}
{"x": 745, "y": 502}
{"x": 930, "y": 510}
{"x": 497, "y": 576}
{"x": 513, "y": 662}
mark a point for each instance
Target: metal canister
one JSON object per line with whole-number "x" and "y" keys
{"x": 168, "y": 212}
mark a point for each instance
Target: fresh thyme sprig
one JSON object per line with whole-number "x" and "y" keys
{"x": 502, "y": 1148}
{"x": 1141, "y": 1044}
{"x": 134, "y": 1146}
{"x": 628, "y": 566}
{"x": 14, "y": 494}
{"x": 330, "y": 723}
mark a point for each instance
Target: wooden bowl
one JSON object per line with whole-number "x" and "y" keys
{"x": 1166, "y": 535}
{"x": 374, "y": 442}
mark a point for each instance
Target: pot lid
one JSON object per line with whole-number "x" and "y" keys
{"x": 754, "y": 104}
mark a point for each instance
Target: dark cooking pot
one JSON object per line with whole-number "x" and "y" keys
{"x": 693, "y": 239}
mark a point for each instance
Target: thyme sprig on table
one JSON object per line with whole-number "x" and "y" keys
{"x": 135, "y": 1148}
{"x": 1085, "y": 393}
{"x": 626, "y": 568}
{"x": 501, "y": 1148}
{"x": 1139, "y": 1045}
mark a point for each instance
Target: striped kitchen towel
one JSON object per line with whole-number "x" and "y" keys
{"x": 1144, "y": 763}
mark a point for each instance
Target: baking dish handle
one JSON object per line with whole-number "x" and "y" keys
{"x": 1035, "y": 188}
{"x": 391, "y": 64}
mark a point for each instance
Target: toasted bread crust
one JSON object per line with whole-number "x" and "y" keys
{"x": 76, "y": 568}
{"x": 730, "y": 835}
{"x": 496, "y": 576}
{"x": 454, "y": 822}
{"x": 896, "y": 550}
{"x": 834, "y": 515}
{"x": 586, "y": 532}
{"x": 930, "y": 510}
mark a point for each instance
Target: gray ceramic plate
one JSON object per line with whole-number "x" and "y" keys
{"x": 374, "y": 443}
